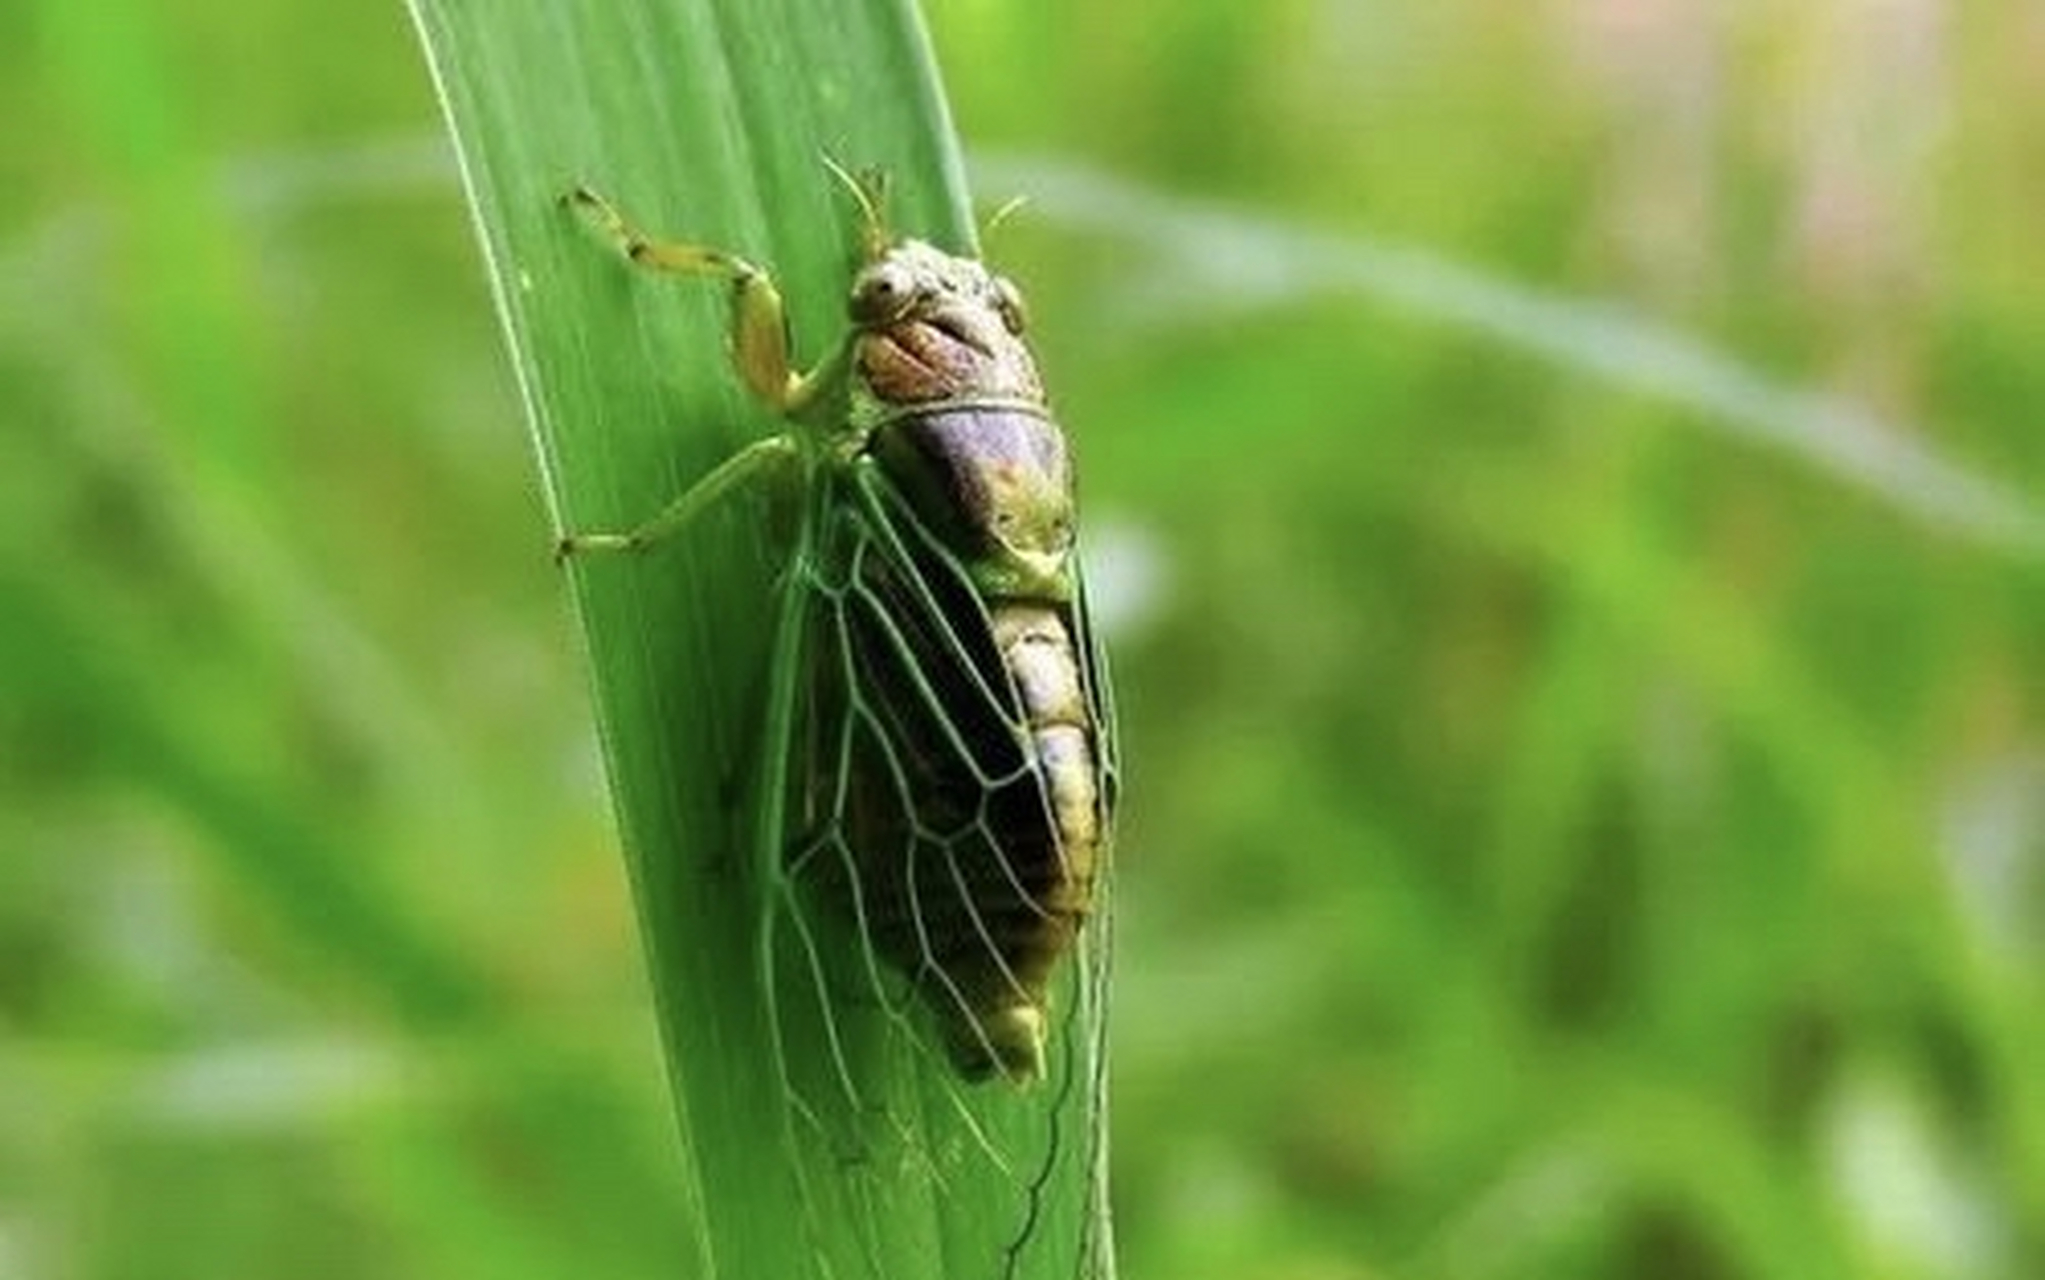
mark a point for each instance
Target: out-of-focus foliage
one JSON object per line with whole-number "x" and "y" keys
{"x": 1586, "y": 815}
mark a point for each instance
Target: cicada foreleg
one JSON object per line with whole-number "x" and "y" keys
{"x": 760, "y": 346}
{"x": 760, "y": 352}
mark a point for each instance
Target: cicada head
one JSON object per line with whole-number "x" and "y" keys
{"x": 934, "y": 327}
{"x": 930, "y": 326}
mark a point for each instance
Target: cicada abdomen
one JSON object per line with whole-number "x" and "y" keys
{"x": 969, "y": 792}
{"x": 974, "y": 791}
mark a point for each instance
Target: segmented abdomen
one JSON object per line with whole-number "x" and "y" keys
{"x": 1037, "y": 648}
{"x": 974, "y": 809}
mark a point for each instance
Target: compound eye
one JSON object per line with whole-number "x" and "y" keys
{"x": 1008, "y": 301}
{"x": 882, "y": 294}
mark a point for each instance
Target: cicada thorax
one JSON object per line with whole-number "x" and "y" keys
{"x": 968, "y": 785}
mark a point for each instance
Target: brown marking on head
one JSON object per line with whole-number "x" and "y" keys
{"x": 935, "y": 327}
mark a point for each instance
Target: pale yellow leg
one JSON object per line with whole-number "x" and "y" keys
{"x": 738, "y": 469}
{"x": 759, "y": 319}
{"x": 759, "y": 350}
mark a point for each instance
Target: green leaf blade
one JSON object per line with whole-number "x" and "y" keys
{"x": 710, "y": 122}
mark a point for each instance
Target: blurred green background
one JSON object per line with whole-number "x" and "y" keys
{"x": 1567, "y": 488}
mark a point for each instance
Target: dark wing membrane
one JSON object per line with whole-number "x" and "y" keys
{"x": 923, "y": 855}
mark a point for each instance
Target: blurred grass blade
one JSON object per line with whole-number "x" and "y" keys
{"x": 1211, "y": 263}
{"x": 709, "y": 120}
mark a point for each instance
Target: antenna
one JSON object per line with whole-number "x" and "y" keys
{"x": 995, "y": 220}
{"x": 869, "y": 188}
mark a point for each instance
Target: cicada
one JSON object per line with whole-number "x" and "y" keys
{"x": 956, "y": 760}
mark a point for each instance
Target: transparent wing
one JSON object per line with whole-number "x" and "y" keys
{"x": 919, "y": 837}
{"x": 1094, "y": 965}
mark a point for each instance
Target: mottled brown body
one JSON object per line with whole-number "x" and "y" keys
{"x": 957, "y": 775}
{"x": 976, "y": 867}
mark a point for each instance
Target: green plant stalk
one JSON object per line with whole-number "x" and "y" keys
{"x": 710, "y": 120}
